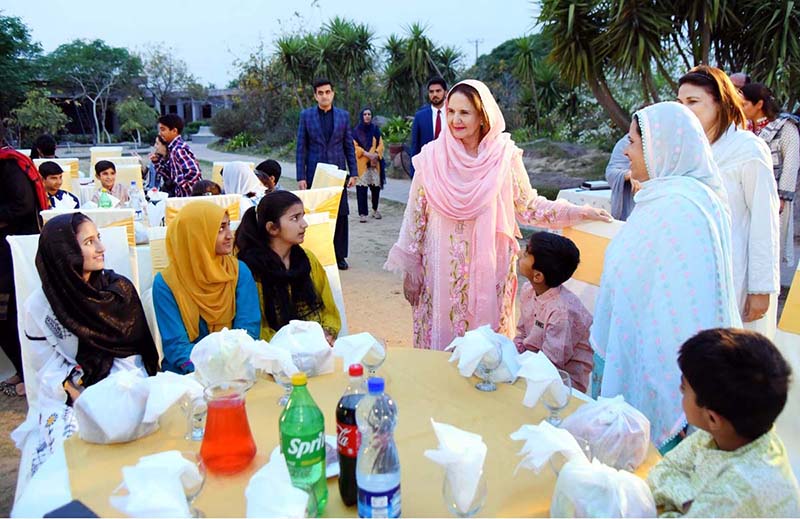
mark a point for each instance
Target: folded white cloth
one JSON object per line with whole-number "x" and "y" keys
{"x": 596, "y": 490}
{"x": 541, "y": 375}
{"x": 542, "y": 442}
{"x": 233, "y": 355}
{"x": 156, "y": 486}
{"x": 618, "y": 433}
{"x": 305, "y": 341}
{"x": 481, "y": 342}
{"x": 283, "y": 499}
{"x": 126, "y": 405}
{"x": 462, "y": 454}
{"x": 352, "y": 348}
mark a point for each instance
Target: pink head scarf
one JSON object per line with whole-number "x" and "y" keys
{"x": 462, "y": 187}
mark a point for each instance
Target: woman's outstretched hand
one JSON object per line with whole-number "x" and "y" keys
{"x": 595, "y": 214}
{"x": 411, "y": 290}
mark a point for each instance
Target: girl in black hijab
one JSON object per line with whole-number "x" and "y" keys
{"x": 292, "y": 283}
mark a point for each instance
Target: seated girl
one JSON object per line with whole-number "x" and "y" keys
{"x": 204, "y": 289}
{"x": 292, "y": 283}
{"x": 239, "y": 179}
{"x": 83, "y": 324}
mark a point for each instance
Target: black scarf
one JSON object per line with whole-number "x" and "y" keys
{"x": 288, "y": 293}
{"x": 105, "y": 314}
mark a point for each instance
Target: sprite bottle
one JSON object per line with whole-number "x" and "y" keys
{"x": 302, "y": 431}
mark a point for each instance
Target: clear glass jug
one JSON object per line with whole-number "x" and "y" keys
{"x": 228, "y": 445}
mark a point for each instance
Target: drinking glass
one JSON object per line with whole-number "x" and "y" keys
{"x": 196, "y": 412}
{"x": 475, "y": 506}
{"x": 375, "y": 357}
{"x": 192, "y": 488}
{"x": 489, "y": 362}
{"x": 283, "y": 379}
{"x": 556, "y": 397}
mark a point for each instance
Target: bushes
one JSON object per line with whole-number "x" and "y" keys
{"x": 194, "y": 126}
{"x": 229, "y": 122}
{"x": 397, "y": 130}
{"x": 240, "y": 140}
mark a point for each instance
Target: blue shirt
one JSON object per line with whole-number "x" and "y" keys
{"x": 174, "y": 339}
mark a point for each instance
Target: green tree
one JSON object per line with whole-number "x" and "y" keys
{"x": 94, "y": 71}
{"x": 18, "y": 58}
{"x": 135, "y": 117}
{"x": 164, "y": 73}
{"x": 38, "y": 115}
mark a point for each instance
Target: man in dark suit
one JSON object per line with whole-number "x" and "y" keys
{"x": 428, "y": 121}
{"x": 324, "y": 136}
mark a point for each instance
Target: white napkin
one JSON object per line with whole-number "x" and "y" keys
{"x": 544, "y": 440}
{"x": 156, "y": 486}
{"x": 305, "y": 341}
{"x": 462, "y": 454}
{"x": 352, "y": 348}
{"x": 471, "y": 348}
{"x": 66, "y": 203}
{"x": 541, "y": 375}
{"x": 233, "y": 355}
{"x": 165, "y": 389}
{"x": 282, "y": 500}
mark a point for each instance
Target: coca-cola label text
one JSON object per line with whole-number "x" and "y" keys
{"x": 348, "y": 439}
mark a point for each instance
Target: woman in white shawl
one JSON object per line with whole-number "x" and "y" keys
{"x": 239, "y": 179}
{"x": 745, "y": 163}
{"x": 667, "y": 274}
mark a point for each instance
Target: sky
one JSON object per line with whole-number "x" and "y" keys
{"x": 211, "y": 34}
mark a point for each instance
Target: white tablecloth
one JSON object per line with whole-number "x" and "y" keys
{"x": 600, "y": 198}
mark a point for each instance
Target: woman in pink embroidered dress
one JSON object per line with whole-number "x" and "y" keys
{"x": 458, "y": 246}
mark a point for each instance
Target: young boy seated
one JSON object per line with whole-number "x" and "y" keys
{"x": 269, "y": 173}
{"x": 52, "y": 173}
{"x": 553, "y": 319}
{"x": 206, "y": 187}
{"x": 734, "y": 384}
{"x": 106, "y": 173}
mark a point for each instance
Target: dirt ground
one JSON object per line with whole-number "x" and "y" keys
{"x": 373, "y": 298}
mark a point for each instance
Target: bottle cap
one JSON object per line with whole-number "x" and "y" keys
{"x": 375, "y": 385}
{"x": 299, "y": 379}
{"x": 356, "y": 370}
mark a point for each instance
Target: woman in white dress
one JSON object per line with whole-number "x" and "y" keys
{"x": 83, "y": 324}
{"x": 745, "y": 163}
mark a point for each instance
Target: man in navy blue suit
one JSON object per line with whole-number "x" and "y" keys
{"x": 428, "y": 121}
{"x": 324, "y": 136}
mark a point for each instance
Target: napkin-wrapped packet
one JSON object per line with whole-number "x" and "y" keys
{"x": 353, "y": 348}
{"x": 584, "y": 488}
{"x": 618, "y": 433}
{"x": 233, "y": 355}
{"x": 126, "y": 405}
{"x": 471, "y": 348}
{"x": 306, "y": 343}
{"x": 270, "y": 492}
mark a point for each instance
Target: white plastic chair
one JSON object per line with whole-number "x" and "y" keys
{"x": 229, "y": 202}
{"x": 319, "y": 240}
{"x": 124, "y": 161}
{"x": 102, "y": 152}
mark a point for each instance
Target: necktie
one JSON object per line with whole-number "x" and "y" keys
{"x": 438, "y": 124}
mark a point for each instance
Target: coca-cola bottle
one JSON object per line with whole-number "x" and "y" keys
{"x": 348, "y": 437}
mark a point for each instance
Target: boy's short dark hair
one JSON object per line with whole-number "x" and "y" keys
{"x": 738, "y": 374}
{"x": 555, "y": 256}
{"x": 270, "y": 168}
{"x": 45, "y": 144}
{"x": 321, "y": 81}
{"x": 172, "y": 121}
{"x": 437, "y": 80}
{"x": 206, "y": 186}
{"x": 49, "y": 168}
{"x": 103, "y": 165}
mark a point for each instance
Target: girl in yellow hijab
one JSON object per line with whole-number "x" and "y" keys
{"x": 204, "y": 289}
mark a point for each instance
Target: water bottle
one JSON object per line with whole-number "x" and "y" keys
{"x": 348, "y": 438}
{"x": 136, "y": 202}
{"x": 378, "y": 466}
{"x": 104, "y": 201}
{"x": 302, "y": 432}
